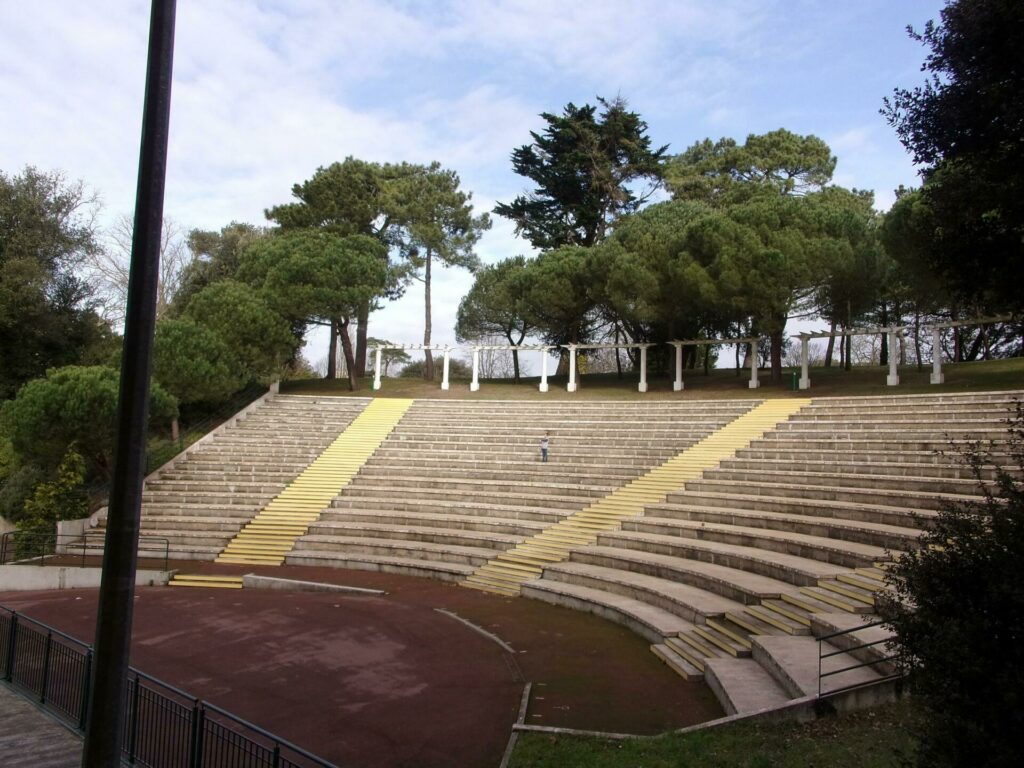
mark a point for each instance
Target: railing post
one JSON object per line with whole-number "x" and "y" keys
{"x": 819, "y": 667}
{"x": 83, "y": 714}
{"x": 133, "y": 734}
{"x": 12, "y": 639}
{"x": 277, "y": 756}
{"x": 196, "y": 745}
{"x": 46, "y": 666}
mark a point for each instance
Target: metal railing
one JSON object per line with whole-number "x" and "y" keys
{"x": 164, "y": 726}
{"x": 37, "y": 547}
{"x": 886, "y": 663}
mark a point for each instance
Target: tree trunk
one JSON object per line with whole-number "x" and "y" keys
{"x": 362, "y": 326}
{"x": 332, "y": 353}
{"x": 515, "y": 353}
{"x": 830, "y": 349}
{"x": 917, "y": 339}
{"x": 428, "y": 357}
{"x": 618, "y": 360}
{"x": 737, "y": 347}
{"x": 848, "y": 344}
{"x": 776, "y": 355}
{"x": 346, "y": 345}
{"x": 707, "y": 359}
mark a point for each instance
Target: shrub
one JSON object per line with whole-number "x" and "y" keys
{"x": 958, "y": 614}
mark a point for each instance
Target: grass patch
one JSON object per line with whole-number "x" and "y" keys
{"x": 875, "y": 738}
{"x": 720, "y": 383}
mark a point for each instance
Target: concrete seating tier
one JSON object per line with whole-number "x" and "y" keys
{"x": 203, "y": 498}
{"x": 471, "y": 472}
{"x": 789, "y": 530}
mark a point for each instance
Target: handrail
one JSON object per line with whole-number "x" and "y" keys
{"x": 850, "y": 649}
{"x": 81, "y": 539}
{"x": 61, "y": 685}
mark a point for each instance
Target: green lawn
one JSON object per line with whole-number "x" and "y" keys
{"x": 832, "y": 382}
{"x": 875, "y": 738}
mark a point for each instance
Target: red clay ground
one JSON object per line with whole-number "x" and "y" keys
{"x": 387, "y": 680}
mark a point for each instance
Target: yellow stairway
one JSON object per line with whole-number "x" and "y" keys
{"x": 209, "y": 582}
{"x": 505, "y": 573}
{"x": 272, "y": 533}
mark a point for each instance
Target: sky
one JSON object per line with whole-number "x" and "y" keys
{"x": 267, "y": 91}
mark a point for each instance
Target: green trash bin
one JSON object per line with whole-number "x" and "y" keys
{"x": 793, "y": 384}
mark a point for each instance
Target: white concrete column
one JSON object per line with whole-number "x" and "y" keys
{"x": 571, "y": 386}
{"x": 544, "y": 368}
{"x": 376, "y": 369}
{"x": 643, "y": 370}
{"x": 753, "y": 383}
{"x": 936, "y": 377}
{"x": 893, "y": 379}
{"x": 677, "y": 385}
{"x": 444, "y": 369}
{"x": 805, "y": 378}
{"x": 474, "y": 385}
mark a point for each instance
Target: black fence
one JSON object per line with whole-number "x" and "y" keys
{"x": 71, "y": 548}
{"x": 164, "y": 727}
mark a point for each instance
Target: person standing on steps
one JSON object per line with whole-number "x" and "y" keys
{"x": 545, "y": 443}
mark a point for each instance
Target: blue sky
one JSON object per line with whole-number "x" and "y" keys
{"x": 267, "y": 91}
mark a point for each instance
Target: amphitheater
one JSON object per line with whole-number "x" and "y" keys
{"x": 730, "y": 534}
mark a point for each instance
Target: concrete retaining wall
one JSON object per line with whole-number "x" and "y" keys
{"x": 35, "y": 577}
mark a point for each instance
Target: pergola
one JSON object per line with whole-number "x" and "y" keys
{"x": 937, "y": 376}
{"x": 446, "y": 351}
{"x": 573, "y": 348}
{"x": 406, "y": 347}
{"x": 677, "y": 385}
{"x": 894, "y": 331}
{"x": 474, "y": 385}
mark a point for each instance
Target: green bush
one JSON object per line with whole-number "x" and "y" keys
{"x": 958, "y": 614}
{"x": 62, "y": 498}
{"x": 456, "y": 369}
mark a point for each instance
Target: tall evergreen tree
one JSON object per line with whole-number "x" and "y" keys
{"x": 965, "y": 125}
{"x": 584, "y": 165}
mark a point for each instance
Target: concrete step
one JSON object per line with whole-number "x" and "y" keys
{"x": 453, "y": 553}
{"x": 499, "y": 511}
{"x": 684, "y": 504}
{"x": 490, "y": 540}
{"x": 848, "y": 554}
{"x": 676, "y": 662}
{"x": 735, "y": 584}
{"x": 445, "y": 570}
{"x": 443, "y": 522}
{"x": 809, "y": 475}
{"x": 650, "y": 622}
{"x": 689, "y": 602}
{"x": 791, "y": 569}
{"x": 205, "y": 582}
{"x": 844, "y": 467}
{"x": 793, "y": 663}
{"x": 863, "y": 495}
{"x": 480, "y": 497}
{"x": 888, "y": 536}
{"x": 742, "y": 686}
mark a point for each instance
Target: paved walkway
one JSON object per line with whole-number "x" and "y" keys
{"x": 29, "y": 738}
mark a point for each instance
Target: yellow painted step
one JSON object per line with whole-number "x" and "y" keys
{"x": 274, "y": 530}
{"x": 209, "y": 582}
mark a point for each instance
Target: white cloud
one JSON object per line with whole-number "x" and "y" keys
{"x": 265, "y": 92}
